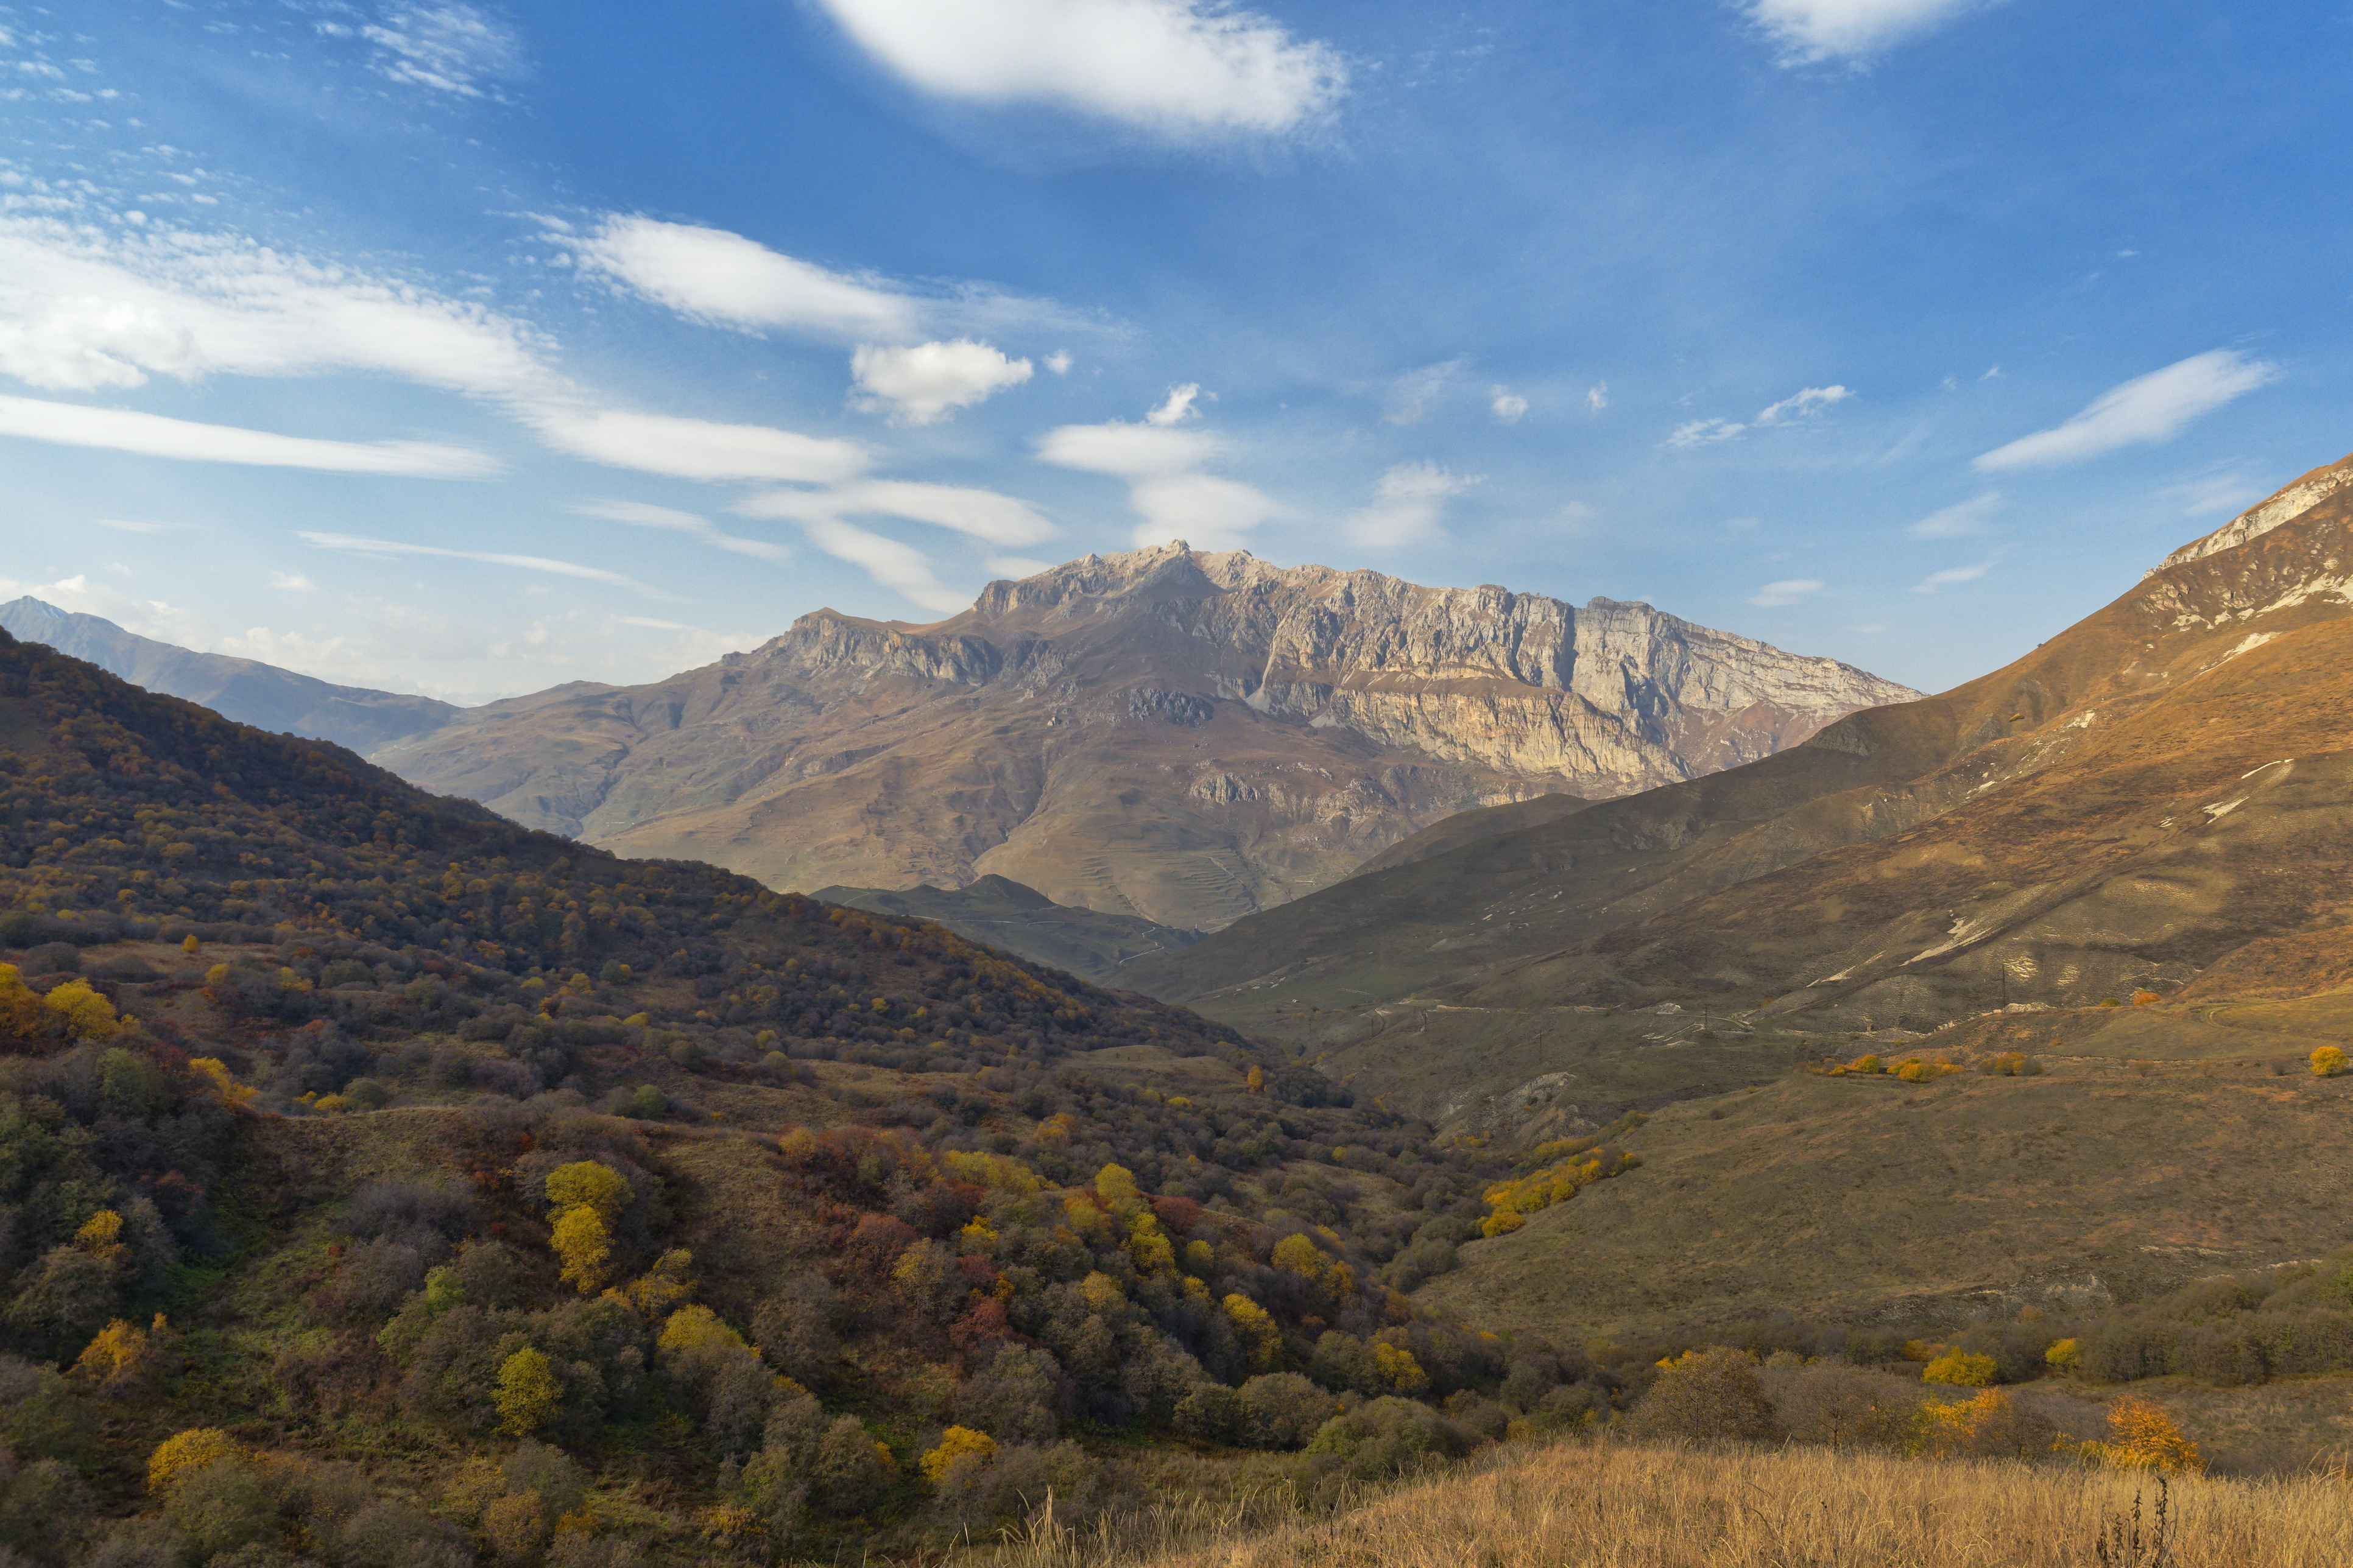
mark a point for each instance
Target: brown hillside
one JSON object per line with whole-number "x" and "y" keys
{"x": 2000, "y": 823}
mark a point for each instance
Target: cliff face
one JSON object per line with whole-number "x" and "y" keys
{"x": 1183, "y": 736}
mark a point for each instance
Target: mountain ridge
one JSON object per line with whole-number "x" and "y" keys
{"x": 1168, "y": 733}
{"x": 248, "y": 690}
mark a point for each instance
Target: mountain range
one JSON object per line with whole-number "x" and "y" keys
{"x": 2121, "y": 809}
{"x": 1182, "y": 736}
{"x": 245, "y": 690}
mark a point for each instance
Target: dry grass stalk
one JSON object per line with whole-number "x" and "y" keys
{"x": 1617, "y": 1506}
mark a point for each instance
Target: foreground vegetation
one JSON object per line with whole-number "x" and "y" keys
{"x": 1657, "y": 1506}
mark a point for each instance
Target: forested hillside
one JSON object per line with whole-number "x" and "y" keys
{"x": 381, "y": 1182}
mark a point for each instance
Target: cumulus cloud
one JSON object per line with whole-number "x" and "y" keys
{"x": 1178, "y": 69}
{"x": 922, "y": 385}
{"x": 715, "y": 275}
{"x": 1161, "y": 464}
{"x": 1508, "y": 406}
{"x": 1788, "y": 591}
{"x": 1954, "y": 522}
{"x": 639, "y": 515}
{"x": 1951, "y": 577}
{"x": 1811, "y": 30}
{"x": 1797, "y": 405}
{"x": 1596, "y": 396}
{"x": 452, "y": 48}
{"x": 385, "y": 549}
{"x": 154, "y": 435}
{"x": 2141, "y": 412}
{"x": 1177, "y": 406}
{"x": 1059, "y": 362}
{"x": 1407, "y": 502}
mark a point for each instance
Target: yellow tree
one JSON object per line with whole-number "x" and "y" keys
{"x": 528, "y": 1392}
{"x": 2328, "y": 1061}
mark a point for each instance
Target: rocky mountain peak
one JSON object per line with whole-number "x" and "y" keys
{"x": 1182, "y": 734}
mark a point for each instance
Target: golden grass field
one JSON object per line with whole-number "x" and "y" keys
{"x": 1613, "y": 1505}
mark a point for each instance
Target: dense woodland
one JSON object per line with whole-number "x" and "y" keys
{"x": 365, "y": 1201}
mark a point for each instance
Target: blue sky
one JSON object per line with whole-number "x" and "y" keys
{"x": 469, "y": 348}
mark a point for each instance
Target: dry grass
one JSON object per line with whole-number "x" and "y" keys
{"x": 1609, "y": 1505}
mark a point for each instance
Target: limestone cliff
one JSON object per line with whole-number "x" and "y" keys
{"x": 1179, "y": 735}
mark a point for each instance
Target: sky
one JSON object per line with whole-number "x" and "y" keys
{"x": 472, "y": 349}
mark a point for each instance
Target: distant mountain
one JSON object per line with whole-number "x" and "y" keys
{"x": 1180, "y": 736}
{"x": 2159, "y": 798}
{"x": 244, "y": 690}
{"x": 1003, "y": 913}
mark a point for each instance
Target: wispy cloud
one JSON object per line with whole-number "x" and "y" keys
{"x": 1161, "y": 465}
{"x": 719, "y": 276}
{"x": 1954, "y": 522}
{"x": 1788, "y": 591}
{"x": 1799, "y": 404}
{"x": 1703, "y": 432}
{"x": 2141, "y": 412}
{"x": 900, "y": 567}
{"x": 1596, "y": 396}
{"x": 1951, "y": 577}
{"x": 1508, "y": 406}
{"x": 1811, "y": 30}
{"x": 639, "y": 515}
{"x": 1411, "y": 394}
{"x": 693, "y": 449}
{"x": 454, "y": 48}
{"x": 154, "y": 435}
{"x": 388, "y": 548}
{"x": 2207, "y": 494}
{"x": 926, "y": 383}
{"x": 1179, "y": 69}
{"x": 1405, "y": 505}
{"x": 986, "y": 515}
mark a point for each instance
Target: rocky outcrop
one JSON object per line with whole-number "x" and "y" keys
{"x": 1178, "y": 735}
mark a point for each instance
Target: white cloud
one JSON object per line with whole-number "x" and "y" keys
{"x": 154, "y": 435}
{"x": 1797, "y": 405}
{"x": 385, "y": 548}
{"x": 1953, "y": 521}
{"x": 1126, "y": 451}
{"x": 1407, "y": 502}
{"x": 715, "y": 275}
{"x": 1508, "y": 406}
{"x": 450, "y": 49}
{"x": 693, "y": 449}
{"x": 1774, "y": 595}
{"x": 293, "y": 582}
{"x": 1160, "y": 464}
{"x": 1596, "y": 396}
{"x": 1809, "y": 30}
{"x": 899, "y": 567}
{"x": 641, "y": 515}
{"x": 1177, "y": 406}
{"x": 85, "y": 311}
{"x": 980, "y": 514}
{"x": 1180, "y": 69}
{"x": 1209, "y": 512}
{"x": 1017, "y": 565}
{"x": 1951, "y": 577}
{"x": 2140, "y": 412}
{"x": 921, "y": 385}
{"x": 1703, "y": 432}
{"x": 1059, "y": 362}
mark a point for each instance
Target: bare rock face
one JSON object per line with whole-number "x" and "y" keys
{"x": 1183, "y": 736}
